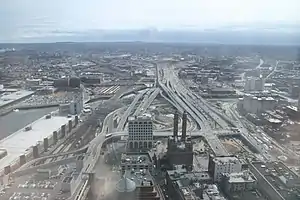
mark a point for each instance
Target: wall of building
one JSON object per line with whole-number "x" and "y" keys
{"x": 140, "y": 133}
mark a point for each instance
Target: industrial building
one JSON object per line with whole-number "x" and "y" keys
{"x": 180, "y": 149}
{"x": 140, "y": 133}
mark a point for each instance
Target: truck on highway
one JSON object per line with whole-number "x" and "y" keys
{"x": 99, "y": 123}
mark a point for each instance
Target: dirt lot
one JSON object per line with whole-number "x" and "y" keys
{"x": 231, "y": 146}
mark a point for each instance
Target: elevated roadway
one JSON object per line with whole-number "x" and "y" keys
{"x": 224, "y": 121}
{"x": 129, "y": 110}
{"x": 176, "y": 93}
{"x": 147, "y": 100}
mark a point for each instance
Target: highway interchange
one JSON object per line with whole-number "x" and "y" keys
{"x": 182, "y": 99}
{"x": 211, "y": 122}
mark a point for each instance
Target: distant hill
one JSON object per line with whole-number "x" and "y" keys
{"x": 260, "y": 34}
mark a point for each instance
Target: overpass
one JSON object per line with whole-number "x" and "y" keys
{"x": 124, "y": 117}
{"x": 147, "y": 100}
{"x": 181, "y": 101}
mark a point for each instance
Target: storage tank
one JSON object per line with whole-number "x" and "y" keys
{"x": 125, "y": 189}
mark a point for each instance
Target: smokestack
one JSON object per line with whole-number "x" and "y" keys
{"x": 175, "y": 129}
{"x": 184, "y": 119}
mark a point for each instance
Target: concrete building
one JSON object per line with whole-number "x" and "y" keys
{"x": 73, "y": 82}
{"x": 238, "y": 182}
{"x": 217, "y": 166}
{"x": 72, "y": 108}
{"x": 256, "y": 105}
{"x": 254, "y": 84}
{"x": 75, "y": 107}
{"x": 140, "y": 132}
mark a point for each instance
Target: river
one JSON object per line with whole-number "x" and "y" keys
{"x": 14, "y": 121}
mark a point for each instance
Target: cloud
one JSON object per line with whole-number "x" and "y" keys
{"x": 17, "y": 16}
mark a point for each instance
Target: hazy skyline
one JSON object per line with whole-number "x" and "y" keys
{"x": 32, "y": 18}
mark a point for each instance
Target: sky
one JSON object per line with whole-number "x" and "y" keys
{"x": 25, "y": 17}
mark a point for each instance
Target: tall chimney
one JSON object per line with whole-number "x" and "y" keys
{"x": 184, "y": 119}
{"x": 175, "y": 128}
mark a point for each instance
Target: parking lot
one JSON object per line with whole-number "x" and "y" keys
{"x": 38, "y": 186}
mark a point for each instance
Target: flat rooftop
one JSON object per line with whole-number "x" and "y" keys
{"x": 143, "y": 117}
{"x": 241, "y": 177}
{"x": 19, "y": 142}
{"x": 226, "y": 159}
{"x": 135, "y": 159}
{"x": 138, "y": 177}
{"x": 11, "y": 97}
{"x": 194, "y": 190}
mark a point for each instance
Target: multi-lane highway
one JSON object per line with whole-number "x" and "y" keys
{"x": 177, "y": 93}
{"x": 147, "y": 100}
{"x": 172, "y": 89}
{"x": 129, "y": 110}
{"x": 217, "y": 116}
